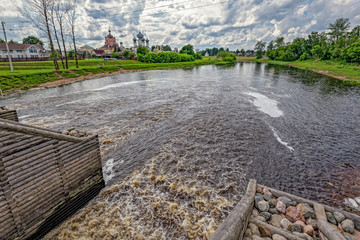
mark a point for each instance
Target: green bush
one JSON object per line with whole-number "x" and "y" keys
{"x": 305, "y": 56}
{"x": 198, "y": 56}
{"x": 165, "y": 57}
{"x": 352, "y": 53}
{"x": 226, "y": 56}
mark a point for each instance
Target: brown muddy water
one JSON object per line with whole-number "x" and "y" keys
{"x": 179, "y": 146}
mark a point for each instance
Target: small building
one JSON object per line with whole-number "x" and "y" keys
{"x": 98, "y": 53}
{"x": 19, "y": 51}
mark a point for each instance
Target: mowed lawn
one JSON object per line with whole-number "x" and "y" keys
{"x": 31, "y": 74}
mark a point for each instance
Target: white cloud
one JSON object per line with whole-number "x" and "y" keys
{"x": 203, "y": 23}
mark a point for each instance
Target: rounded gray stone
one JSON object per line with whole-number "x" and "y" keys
{"x": 266, "y": 215}
{"x": 263, "y": 206}
{"x": 330, "y": 218}
{"x": 348, "y": 225}
{"x": 339, "y": 217}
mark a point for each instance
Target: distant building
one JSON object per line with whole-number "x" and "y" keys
{"x": 98, "y": 53}
{"x": 23, "y": 51}
{"x": 111, "y": 44}
{"x": 141, "y": 41}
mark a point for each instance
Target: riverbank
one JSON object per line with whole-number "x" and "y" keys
{"x": 29, "y": 75}
{"x": 347, "y": 72}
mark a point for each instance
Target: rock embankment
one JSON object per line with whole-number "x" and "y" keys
{"x": 296, "y": 218}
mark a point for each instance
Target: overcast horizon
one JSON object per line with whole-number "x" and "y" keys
{"x": 232, "y": 24}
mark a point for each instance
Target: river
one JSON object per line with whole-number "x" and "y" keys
{"x": 189, "y": 140}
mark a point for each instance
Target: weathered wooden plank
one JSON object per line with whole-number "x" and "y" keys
{"x": 278, "y": 193}
{"x": 275, "y": 230}
{"x": 52, "y": 183}
{"x": 42, "y": 198}
{"x": 13, "y": 142}
{"x": 78, "y": 160}
{"x": 76, "y": 179}
{"x": 5, "y": 214}
{"x": 39, "y": 210}
{"x": 70, "y": 152}
{"x": 235, "y": 224}
{"x": 38, "y": 132}
{"x": 33, "y": 181}
{"x": 80, "y": 172}
{"x": 23, "y": 157}
{"x": 323, "y": 225}
{"x": 32, "y": 168}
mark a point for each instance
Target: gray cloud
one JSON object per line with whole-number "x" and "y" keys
{"x": 234, "y": 24}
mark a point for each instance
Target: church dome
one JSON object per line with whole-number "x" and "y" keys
{"x": 109, "y": 35}
{"x": 140, "y": 35}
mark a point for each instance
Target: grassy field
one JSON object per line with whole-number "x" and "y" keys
{"x": 348, "y": 72}
{"x": 31, "y": 74}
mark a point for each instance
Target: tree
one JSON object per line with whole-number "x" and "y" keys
{"x": 71, "y": 53}
{"x": 37, "y": 11}
{"x": 166, "y": 48}
{"x": 142, "y": 50}
{"x": 12, "y": 41}
{"x": 271, "y": 45}
{"x": 1, "y": 40}
{"x": 279, "y": 42}
{"x": 187, "y": 49}
{"x": 126, "y": 53}
{"x": 242, "y": 52}
{"x": 60, "y": 10}
{"x": 259, "y": 49}
{"x": 115, "y": 55}
{"x": 53, "y": 24}
{"x": 71, "y": 16}
{"x": 152, "y": 48}
{"x": 339, "y": 28}
{"x": 32, "y": 40}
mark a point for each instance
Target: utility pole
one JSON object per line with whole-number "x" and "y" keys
{"x": 7, "y": 47}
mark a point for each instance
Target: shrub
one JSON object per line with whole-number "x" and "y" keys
{"x": 226, "y": 56}
{"x": 163, "y": 57}
{"x": 352, "y": 53}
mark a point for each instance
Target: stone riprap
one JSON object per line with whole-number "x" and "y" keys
{"x": 295, "y": 218}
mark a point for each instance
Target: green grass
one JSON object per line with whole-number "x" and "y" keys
{"x": 348, "y": 72}
{"x": 31, "y": 74}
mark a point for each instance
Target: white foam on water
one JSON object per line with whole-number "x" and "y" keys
{"x": 108, "y": 171}
{"x": 281, "y": 141}
{"x": 265, "y": 104}
{"x": 25, "y": 116}
{"x": 116, "y": 85}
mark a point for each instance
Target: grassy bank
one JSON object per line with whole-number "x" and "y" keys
{"x": 344, "y": 71}
{"x": 31, "y": 74}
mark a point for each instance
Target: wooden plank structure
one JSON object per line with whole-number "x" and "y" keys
{"x": 45, "y": 177}
{"x": 236, "y": 223}
{"x": 8, "y": 114}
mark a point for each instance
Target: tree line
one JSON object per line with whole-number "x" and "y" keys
{"x": 57, "y": 20}
{"x": 339, "y": 44}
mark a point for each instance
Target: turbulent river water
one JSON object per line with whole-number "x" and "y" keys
{"x": 179, "y": 146}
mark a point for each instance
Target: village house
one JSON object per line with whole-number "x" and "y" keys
{"x": 23, "y": 51}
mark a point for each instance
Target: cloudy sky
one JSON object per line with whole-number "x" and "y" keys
{"x": 234, "y": 24}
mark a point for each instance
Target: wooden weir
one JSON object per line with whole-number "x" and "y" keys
{"x": 234, "y": 226}
{"x": 45, "y": 177}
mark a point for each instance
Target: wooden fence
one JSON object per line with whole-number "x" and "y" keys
{"x": 8, "y": 114}
{"x": 45, "y": 177}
